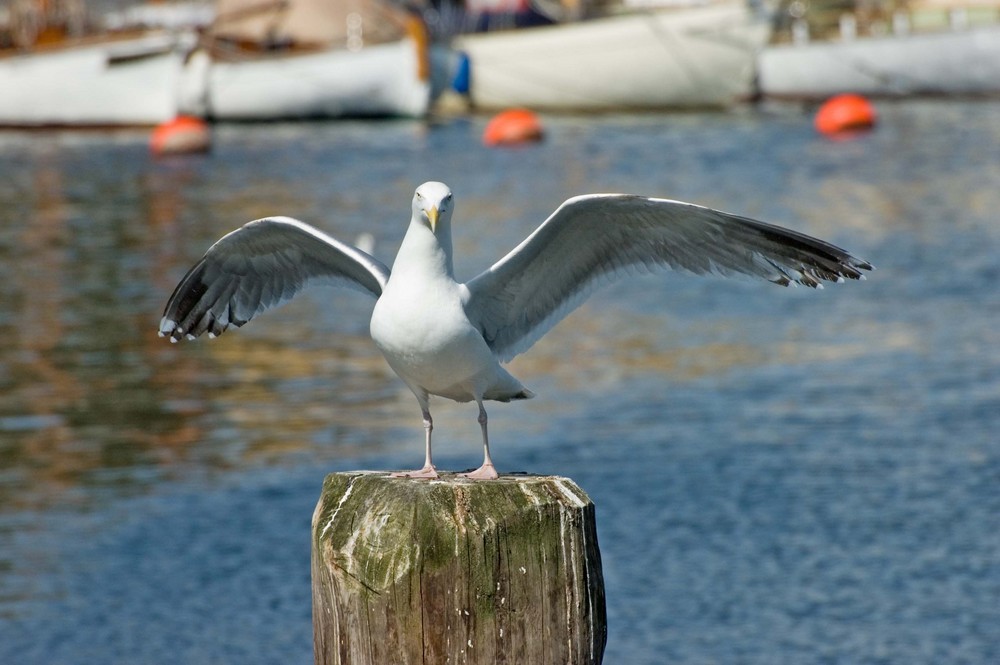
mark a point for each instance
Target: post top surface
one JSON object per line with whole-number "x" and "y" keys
{"x": 453, "y": 477}
{"x": 535, "y": 489}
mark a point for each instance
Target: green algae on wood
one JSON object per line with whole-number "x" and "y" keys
{"x": 456, "y": 571}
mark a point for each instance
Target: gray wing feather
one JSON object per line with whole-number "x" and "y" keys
{"x": 596, "y": 238}
{"x": 258, "y": 266}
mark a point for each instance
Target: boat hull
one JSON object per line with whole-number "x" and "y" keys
{"x": 965, "y": 62}
{"x": 97, "y": 83}
{"x": 697, "y": 57}
{"x": 378, "y": 80}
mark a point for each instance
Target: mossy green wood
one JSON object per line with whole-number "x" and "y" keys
{"x": 456, "y": 571}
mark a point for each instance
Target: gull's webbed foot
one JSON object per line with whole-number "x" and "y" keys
{"x": 428, "y": 472}
{"x": 485, "y": 472}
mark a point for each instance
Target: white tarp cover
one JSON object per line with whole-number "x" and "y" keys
{"x": 308, "y": 22}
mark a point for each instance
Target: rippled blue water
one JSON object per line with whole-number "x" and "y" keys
{"x": 781, "y": 476}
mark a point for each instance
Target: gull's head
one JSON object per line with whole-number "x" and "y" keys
{"x": 432, "y": 204}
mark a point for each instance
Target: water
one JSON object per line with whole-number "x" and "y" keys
{"x": 781, "y": 475}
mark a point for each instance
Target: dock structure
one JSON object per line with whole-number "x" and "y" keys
{"x": 408, "y": 571}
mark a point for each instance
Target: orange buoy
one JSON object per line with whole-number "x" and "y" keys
{"x": 184, "y": 134}
{"x": 844, "y": 113}
{"x": 511, "y": 127}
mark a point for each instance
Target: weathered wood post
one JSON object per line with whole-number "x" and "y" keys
{"x": 411, "y": 571}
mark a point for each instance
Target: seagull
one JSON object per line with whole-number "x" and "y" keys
{"x": 450, "y": 339}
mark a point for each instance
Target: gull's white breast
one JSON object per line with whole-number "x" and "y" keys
{"x": 427, "y": 339}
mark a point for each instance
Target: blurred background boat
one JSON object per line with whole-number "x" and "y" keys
{"x": 289, "y": 59}
{"x": 110, "y": 62}
{"x": 58, "y": 66}
{"x": 890, "y": 48}
{"x": 633, "y": 55}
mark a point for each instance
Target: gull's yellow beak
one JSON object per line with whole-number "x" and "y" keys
{"x": 432, "y": 216}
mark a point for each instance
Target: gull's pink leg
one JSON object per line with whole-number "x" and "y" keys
{"x": 487, "y": 471}
{"x": 428, "y": 470}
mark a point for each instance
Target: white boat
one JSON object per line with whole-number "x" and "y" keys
{"x": 308, "y": 59}
{"x": 657, "y": 58}
{"x": 51, "y": 77}
{"x": 924, "y": 49}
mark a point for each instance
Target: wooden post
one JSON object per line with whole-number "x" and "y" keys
{"x": 411, "y": 571}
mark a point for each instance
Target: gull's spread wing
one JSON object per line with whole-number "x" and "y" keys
{"x": 258, "y": 266}
{"x": 602, "y": 236}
